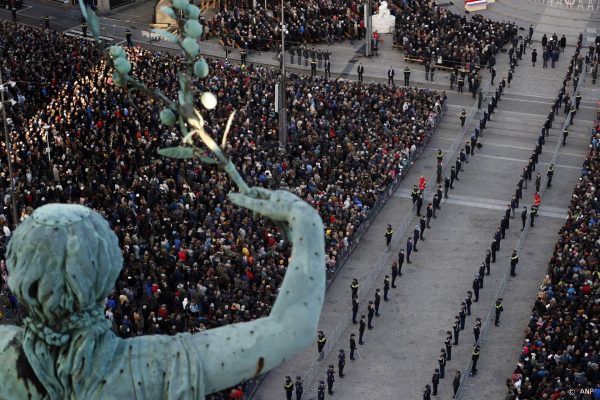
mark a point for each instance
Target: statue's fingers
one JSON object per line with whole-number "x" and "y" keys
{"x": 257, "y": 205}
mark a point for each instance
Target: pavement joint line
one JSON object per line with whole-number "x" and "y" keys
{"x": 490, "y": 204}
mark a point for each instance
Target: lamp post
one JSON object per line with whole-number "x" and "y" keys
{"x": 8, "y": 147}
{"x": 283, "y": 137}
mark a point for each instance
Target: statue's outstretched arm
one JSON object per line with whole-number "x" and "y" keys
{"x": 236, "y": 352}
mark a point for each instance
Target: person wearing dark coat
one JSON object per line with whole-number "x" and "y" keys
{"x": 533, "y": 57}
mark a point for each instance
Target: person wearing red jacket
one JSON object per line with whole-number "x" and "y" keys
{"x": 537, "y": 199}
{"x": 422, "y": 183}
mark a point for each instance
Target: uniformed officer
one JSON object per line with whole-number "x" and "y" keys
{"x": 360, "y": 70}
{"x": 354, "y": 309}
{"x": 352, "y": 346}
{"x": 390, "y": 75}
{"x": 46, "y": 22}
{"x": 341, "y": 363}
{"x": 361, "y": 329}
{"x": 532, "y": 215}
{"x": 400, "y": 261}
{"x": 565, "y": 134}
{"x": 409, "y": 247}
{"x": 415, "y": 193}
{"x": 474, "y": 359}
{"x": 435, "y": 381}
{"x": 462, "y": 315}
{"x": 456, "y": 329}
{"x": 503, "y": 226}
{"x": 469, "y": 301}
{"x": 377, "y": 301}
{"x": 299, "y": 51}
{"x": 321, "y": 340}
{"x": 480, "y": 98}
{"x": 498, "y": 309}
{"x": 514, "y": 204}
{"x": 494, "y": 250}
{"x": 327, "y": 68}
{"x": 524, "y": 217}
{"x": 321, "y": 391}
{"x": 406, "y": 76}
{"x": 386, "y": 287}
{"x": 475, "y": 287}
{"x": 128, "y": 37}
{"x": 514, "y": 260}
{"x": 320, "y": 57}
{"x": 13, "y": 12}
{"x": 416, "y": 235}
{"x": 84, "y": 29}
{"x": 291, "y": 52}
{"x": 448, "y": 344}
{"x": 370, "y": 314}
{"x": 477, "y": 329}
{"x": 446, "y": 185}
{"x": 498, "y": 238}
{"x": 439, "y": 174}
{"x": 461, "y": 83}
{"x": 463, "y": 118}
{"x": 289, "y": 388}
{"x": 481, "y": 275}
{"x": 452, "y": 79}
{"x": 330, "y": 379}
{"x": 354, "y": 288}
{"x": 299, "y": 387}
{"x": 550, "y": 174}
{"x": 419, "y": 204}
{"x": 313, "y": 67}
{"x": 538, "y": 181}
{"x": 436, "y": 204}
{"x": 488, "y": 257}
{"x": 577, "y": 100}
{"x": 305, "y": 54}
{"x": 427, "y": 393}
{"x": 442, "y": 363}
{"x": 440, "y": 194}
{"x": 389, "y": 232}
{"x": 439, "y": 156}
{"x": 243, "y": 55}
{"x": 453, "y": 174}
{"x": 423, "y": 226}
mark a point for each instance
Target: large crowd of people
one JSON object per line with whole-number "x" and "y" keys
{"x": 307, "y": 22}
{"x": 192, "y": 260}
{"x": 429, "y": 32}
{"x": 560, "y": 351}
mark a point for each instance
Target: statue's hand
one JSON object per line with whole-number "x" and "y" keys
{"x": 277, "y": 205}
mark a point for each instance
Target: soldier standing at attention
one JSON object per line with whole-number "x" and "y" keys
{"x": 532, "y": 215}
{"x": 321, "y": 391}
{"x": 476, "y": 287}
{"x": 463, "y": 118}
{"x": 352, "y": 346}
{"x": 538, "y": 181}
{"x": 442, "y": 363}
{"x": 475, "y": 358}
{"x": 448, "y": 344}
{"x": 409, "y": 247}
{"x": 429, "y": 213}
{"x": 400, "y": 261}
{"x": 419, "y": 204}
{"x": 481, "y": 274}
{"x": 46, "y": 22}
{"x": 477, "y": 329}
{"x": 341, "y": 363}
{"x": 488, "y": 258}
{"x": 361, "y": 329}
{"x": 377, "y": 301}
{"x": 289, "y": 388}
{"x": 389, "y": 232}
{"x": 330, "y": 379}
{"x": 462, "y": 315}
{"x": 435, "y": 381}
{"x": 354, "y": 309}
{"x": 456, "y": 383}
{"x": 524, "y": 217}
{"x": 394, "y": 273}
{"x": 386, "y": 287}
{"x": 321, "y": 340}
{"x": 469, "y": 301}
{"x": 370, "y": 313}
{"x": 354, "y": 287}
{"x": 427, "y": 393}
{"x": 414, "y": 194}
{"x": 549, "y": 174}
{"x": 299, "y": 388}
{"x": 416, "y": 235}
{"x": 453, "y": 174}
{"x": 499, "y": 308}
{"x": 406, "y": 76}
{"x": 514, "y": 260}
{"x": 494, "y": 250}
{"x": 436, "y": 204}
{"x": 456, "y": 329}
{"x": 446, "y": 186}
{"x": 423, "y": 225}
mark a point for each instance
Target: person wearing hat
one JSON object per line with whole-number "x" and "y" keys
{"x": 481, "y": 275}
{"x": 377, "y": 301}
{"x": 289, "y": 388}
{"x": 462, "y": 314}
{"x": 477, "y": 329}
{"x": 498, "y": 309}
{"x": 354, "y": 287}
{"x": 330, "y": 379}
{"x": 427, "y": 393}
{"x": 321, "y": 391}
{"x": 514, "y": 260}
{"x": 370, "y": 314}
{"x": 435, "y": 381}
{"x": 394, "y": 273}
{"x": 361, "y": 329}
{"x": 456, "y": 329}
{"x": 524, "y": 217}
{"x": 386, "y": 287}
{"x": 448, "y": 344}
{"x": 400, "y": 263}
{"x": 321, "y": 340}
{"x": 354, "y": 309}
{"x": 549, "y": 174}
{"x": 469, "y": 301}
{"x": 456, "y": 383}
{"x": 389, "y": 232}
{"x": 488, "y": 259}
{"x": 341, "y": 363}
{"x": 442, "y": 362}
{"x": 475, "y": 287}
{"x": 299, "y": 387}
{"x": 352, "y": 346}
{"x": 474, "y": 359}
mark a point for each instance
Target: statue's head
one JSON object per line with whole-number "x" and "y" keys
{"x": 62, "y": 261}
